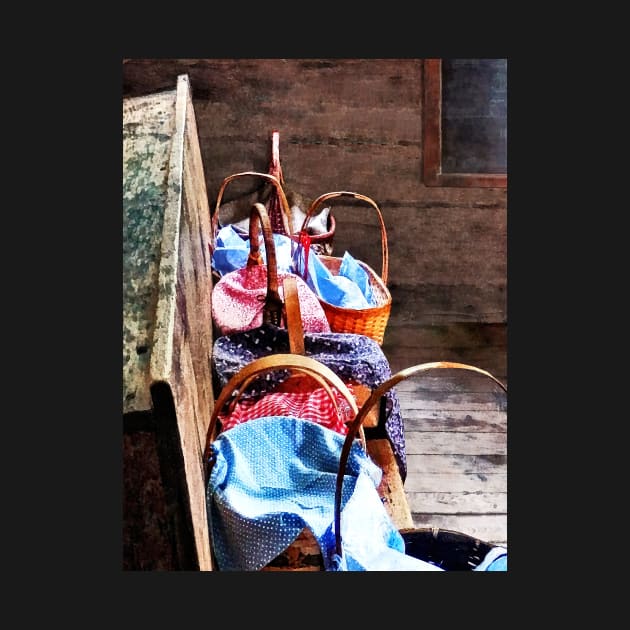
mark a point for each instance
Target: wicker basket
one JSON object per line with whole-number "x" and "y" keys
{"x": 304, "y": 553}
{"x": 214, "y": 222}
{"x": 370, "y": 321}
{"x": 286, "y": 209}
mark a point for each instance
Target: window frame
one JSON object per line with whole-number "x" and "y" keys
{"x": 432, "y": 138}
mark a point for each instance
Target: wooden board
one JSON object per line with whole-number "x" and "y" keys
{"x": 391, "y": 488}
{"x": 363, "y": 133}
{"x": 456, "y": 443}
{"x": 167, "y": 333}
{"x": 408, "y": 343}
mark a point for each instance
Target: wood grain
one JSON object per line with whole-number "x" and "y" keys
{"x": 391, "y": 488}
{"x": 352, "y": 124}
{"x": 456, "y": 444}
{"x": 167, "y": 304}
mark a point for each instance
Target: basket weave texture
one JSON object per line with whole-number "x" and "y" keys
{"x": 371, "y": 321}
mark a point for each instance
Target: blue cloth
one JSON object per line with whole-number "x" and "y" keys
{"x": 232, "y": 250}
{"x": 369, "y": 540}
{"x": 494, "y": 560}
{"x": 351, "y": 288}
{"x": 275, "y": 475}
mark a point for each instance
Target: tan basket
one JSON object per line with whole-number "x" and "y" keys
{"x": 284, "y": 204}
{"x": 304, "y": 553}
{"x": 214, "y": 221}
{"x": 372, "y": 321}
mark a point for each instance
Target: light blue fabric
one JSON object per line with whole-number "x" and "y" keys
{"x": 231, "y": 251}
{"x": 272, "y": 477}
{"x": 368, "y": 539}
{"x": 350, "y": 268}
{"x": 494, "y": 560}
{"x": 350, "y": 289}
{"x": 275, "y": 475}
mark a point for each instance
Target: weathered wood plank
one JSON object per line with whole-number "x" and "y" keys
{"x": 446, "y": 387}
{"x": 362, "y": 393}
{"x": 467, "y": 464}
{"x": 458, "y": 502}
{"x": 447, "y": 398}
{"x": 454, "y": 443}
{"x": 481, "y": 345}
{"x": 456, "y": 482}
{"x": 174, "y": 278}
{"x": 391, "y": 488}
{"x": 478, "y": 420}
{"x": 148, "y": 126}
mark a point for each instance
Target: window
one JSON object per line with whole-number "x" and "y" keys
{"x": 465, "y": 122}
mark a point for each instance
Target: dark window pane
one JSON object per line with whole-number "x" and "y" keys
{"x": 474, "y": 115}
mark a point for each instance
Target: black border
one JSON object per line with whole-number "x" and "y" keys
{"x": 84, "y": 312}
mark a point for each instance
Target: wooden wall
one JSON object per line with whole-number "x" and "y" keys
{"x": 353, "y": 124}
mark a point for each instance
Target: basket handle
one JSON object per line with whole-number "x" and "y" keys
{"x": 272, "y": 309}
{"x": 295, "y": 362}
{"x": 286, "y": 209}
{"x": 293, "y": 317}
{"x": 367, "y": 406}
{"x": 276, "y": 214}
{"x": 295, "y": 329}
{"x": 342, "y": 193}
{"x": 275, "y": 168}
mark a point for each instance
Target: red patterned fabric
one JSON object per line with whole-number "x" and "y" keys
{"x": 292, "y": 399}
{"x": 238, "y": 300}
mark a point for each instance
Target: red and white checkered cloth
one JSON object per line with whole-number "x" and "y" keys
{"x": 291, "y": 399}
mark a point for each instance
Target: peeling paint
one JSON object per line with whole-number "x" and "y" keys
{"x": 148, "y": 126}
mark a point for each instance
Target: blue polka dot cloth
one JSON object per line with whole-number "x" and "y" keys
{"x": 270, "y": 478}
{"x": 275, "y": 475}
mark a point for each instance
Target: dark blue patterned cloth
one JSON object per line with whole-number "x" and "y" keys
{"x": 352, "y": 357}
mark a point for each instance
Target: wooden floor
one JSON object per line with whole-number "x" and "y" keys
{"x": 455, "y": 427}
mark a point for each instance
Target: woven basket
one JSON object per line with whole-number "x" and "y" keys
{"x": 370, "y": 321}
{"x": 286, "y": 209}
{"x": 304, "y": 553}
{"x": 214, "y": 223}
